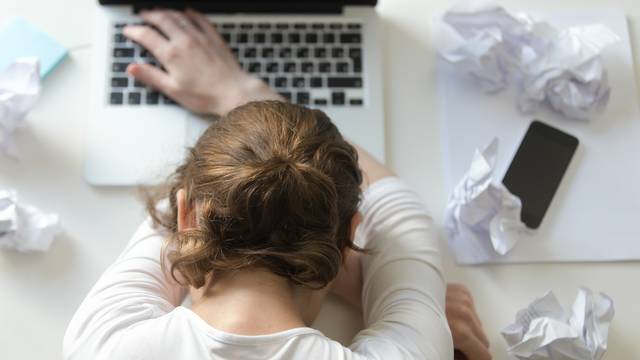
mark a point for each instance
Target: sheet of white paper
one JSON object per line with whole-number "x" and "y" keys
{"x": 607, "y": 157}
{"x": 482, "y": 216}
{"x": 544, "y": 330}
{"x": 558, "y": 67}
{"x": 24, "y": 228}
{"x": 19, "y": 89}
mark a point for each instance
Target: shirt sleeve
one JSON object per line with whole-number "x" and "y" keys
{"x": 403, "y": 287}
{"x": 133, "y": 289}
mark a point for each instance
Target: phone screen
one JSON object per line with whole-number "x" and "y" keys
{"x": 537, "y": 169}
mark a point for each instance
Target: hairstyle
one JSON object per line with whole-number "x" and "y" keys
{"x": 274, "y": 185}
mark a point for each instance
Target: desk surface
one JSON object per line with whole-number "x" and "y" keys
{"x": 40, "y": 292}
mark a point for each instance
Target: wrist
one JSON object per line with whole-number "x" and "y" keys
{"x": 249, "y": 88}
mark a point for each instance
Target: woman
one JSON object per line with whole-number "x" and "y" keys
{"x": 268, "y": 213}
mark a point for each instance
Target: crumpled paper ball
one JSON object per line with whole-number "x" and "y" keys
{"x": 560, "y": 68}
{"x": 482, "y": 215}
{"x": 544, "y": 330}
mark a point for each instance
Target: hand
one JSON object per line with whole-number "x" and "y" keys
{"x": 201, "y": 72}
{"x": 469, "y": 339}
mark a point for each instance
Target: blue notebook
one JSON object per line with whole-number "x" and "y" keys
{"x": 18, "y": 38}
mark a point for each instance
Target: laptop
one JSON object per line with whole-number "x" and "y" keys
{"x": 324, "y": 54}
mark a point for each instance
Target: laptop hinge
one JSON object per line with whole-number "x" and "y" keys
{"x": 259, "y": 7}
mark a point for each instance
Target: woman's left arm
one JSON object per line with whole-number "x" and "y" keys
{"x": 133, "y": 289}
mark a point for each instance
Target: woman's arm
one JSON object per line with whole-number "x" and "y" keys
{"x": 133, "y": 289}
{"x": 201, "y": 72}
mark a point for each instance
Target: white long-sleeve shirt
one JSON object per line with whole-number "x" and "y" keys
{"x": 134, "y": 312}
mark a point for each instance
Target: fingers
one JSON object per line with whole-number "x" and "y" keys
{"x": 147, "y": 37}
{"x": 164, "y": 21}
{"x": 205, "y": 26}
{"x": 465, "y": 324}
{"x": 151, "y": 76}
{"x": 474, "y": 349}
{"x": 186, "y": 24}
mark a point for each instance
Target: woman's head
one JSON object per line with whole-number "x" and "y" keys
{"x": 271, "y": 185}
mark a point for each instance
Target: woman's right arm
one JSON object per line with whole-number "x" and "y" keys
{"x": 403, "y": 292}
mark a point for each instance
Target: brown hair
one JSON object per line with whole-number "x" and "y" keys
{"x": 275, "y": 186}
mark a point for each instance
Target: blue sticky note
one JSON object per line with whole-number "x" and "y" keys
{"x": 18, "y": 38}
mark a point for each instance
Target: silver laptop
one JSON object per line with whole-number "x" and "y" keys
{"x": 321, "y": 53}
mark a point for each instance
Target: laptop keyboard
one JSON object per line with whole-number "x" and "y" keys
{"x": 318, "y": 63}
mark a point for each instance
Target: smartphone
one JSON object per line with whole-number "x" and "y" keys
{"x": 537, "y": 169}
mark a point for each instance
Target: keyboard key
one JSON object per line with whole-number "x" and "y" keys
{"x": 276, "y": 38}
{"x": 272, "y": 67}
{"x": 302, "y": 52}
{"x": 350, "y": 38}
{"x": 328, "y": 38}
{"x": 119, "y": 67}
{"x": 235, "y": 51}
{"x": 226, "y": 37}
{"x": 250, "y": 53}
{"x": 299, "y": 26}
{"x": 122, "y": 52}
{"x": 255, "y": 67}
{"x": 119, "y": 82}
{"x": 115, "y": 98}
{"x": 228, "y": 26}
{"x": 286, "y": 95}
{"x": 290, "y": 67}
{"x": 306, "y": 67}
{"x": 133, "y": 98}
{"x": 119, "y": 38}
{"x": 294, "y": 38}
{"x": 267, "y": 52}
{"x": 320, "y": 101}
{"x": 311, "y": 38}
{"x": 355, "y": 102}
{"x": 285, "y": 53}
{"x": 280, "y": 82}
{"x": 337, "y": 52}
{"x": 337, "y": 98}
{"x": 298, "y": 82}
{"x": 357, "y": 65}
{"x": 302, "y": 98}
{"x": 152, "y": 97}
{"x": 246, "y": 26}
{"x": 315, "y": 82}
{"x": 342, "y": 67}
{"x": 324, "y": 67}
{"x": 355, "y": 52}
{"x": 317, "y": 26}
{"x": 119, "y": 25}
{"x": 282, "y": 26}
{"x": 264, "y": 26}
{"x": 139, "y": 84}
{"x": 242, "y": 38}
{"x": 353, "y": 26}
{"x": 344, "y": 82}
{"x": 335, "y": 26}
{"x": 320, "y": 52}
{"x": 266, "y": 80}
{"x": 259, "y": 38}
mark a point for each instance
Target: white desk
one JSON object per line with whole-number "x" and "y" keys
{"x": 40, "y": 292}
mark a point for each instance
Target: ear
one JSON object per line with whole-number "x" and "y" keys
{"x": 355, "y": 221}
{"x": 186, "y": 215}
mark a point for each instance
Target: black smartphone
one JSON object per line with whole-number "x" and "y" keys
{"x": 537, "y": 169}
